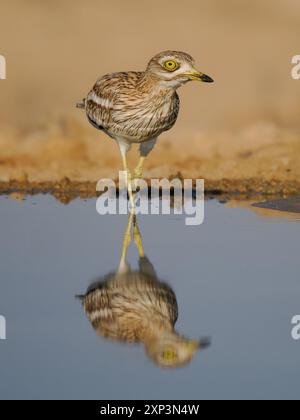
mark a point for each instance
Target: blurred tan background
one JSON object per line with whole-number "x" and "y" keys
{"x": 242, "y": 126}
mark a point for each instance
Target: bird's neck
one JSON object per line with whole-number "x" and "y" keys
{"x": 154, "y": 85}
{"x": 153, "y": 332}
{"x": 154, "y": 339}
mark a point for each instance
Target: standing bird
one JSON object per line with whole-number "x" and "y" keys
{"x": 136, "y": 107}
{"x": 135, "y": 306}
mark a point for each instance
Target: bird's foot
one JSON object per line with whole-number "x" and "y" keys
{"x": 129, "y": 183}
{"x": 138, "y": 173}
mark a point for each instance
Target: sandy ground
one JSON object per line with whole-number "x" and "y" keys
{"x": 241, "y": 134}
{"x": 261, "y": 159}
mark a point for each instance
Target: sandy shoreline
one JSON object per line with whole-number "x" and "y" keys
{"x": 65, "y": 191}
{"x": 69, "y": 157}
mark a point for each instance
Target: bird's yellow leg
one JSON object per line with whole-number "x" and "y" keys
{"x": 126, "y": 169}
{"x": 129, "y": 186}
{"x": 138, "y": 173}
{"x": 138, "y": 237}
{"x": 126, "y": 243}
{"x": 145, "y": 149}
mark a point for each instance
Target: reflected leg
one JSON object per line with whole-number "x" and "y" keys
{"x": 138, "y": 237}
{"x": 123, "y": 266}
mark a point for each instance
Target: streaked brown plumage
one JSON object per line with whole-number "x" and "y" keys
{"x": 126, "y": 306}
{"x": 131, "y": 107}
{"x": 136, "y": 107}
{"x": 137, "y": 307}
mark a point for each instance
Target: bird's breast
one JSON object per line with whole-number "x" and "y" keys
{"x": 147, "y": 119}
{"x": 134, "y": 115}
{"x": 125, "y": 309}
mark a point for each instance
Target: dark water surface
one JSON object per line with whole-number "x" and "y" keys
{"x": 236, "y": 279}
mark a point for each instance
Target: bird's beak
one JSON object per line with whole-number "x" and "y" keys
{"x": 201, "y": 344}
{"x": 193, "y": 346}
{"x": 199, "y": 76}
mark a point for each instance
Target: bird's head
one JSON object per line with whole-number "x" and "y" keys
{"x": 171, "y": 350}
{"x": 174, "y": 69}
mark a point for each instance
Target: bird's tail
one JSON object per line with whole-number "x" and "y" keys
{"x": 81, "y": 104}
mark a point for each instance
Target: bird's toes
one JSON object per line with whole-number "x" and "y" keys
{"x": 138, "y": 174}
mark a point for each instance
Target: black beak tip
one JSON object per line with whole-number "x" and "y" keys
{"x": 207, "y": 79}
{"x": 205, "y": 342}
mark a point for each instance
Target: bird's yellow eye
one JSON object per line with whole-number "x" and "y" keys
{"x": 171, "y": 65}
{"x": 169, "y": 355}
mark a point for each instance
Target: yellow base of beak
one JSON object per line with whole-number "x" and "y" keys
{"x": 199, "y": 77}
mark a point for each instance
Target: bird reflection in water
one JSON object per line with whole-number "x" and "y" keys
{"x": 134, "y": 306}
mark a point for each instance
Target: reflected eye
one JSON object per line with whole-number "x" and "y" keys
{"x": 169, "y": 355}
{"x": 171, "y": 65}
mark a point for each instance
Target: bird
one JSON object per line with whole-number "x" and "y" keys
{"x": 136, "y": 107}
{"x": 135, "y": 306}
